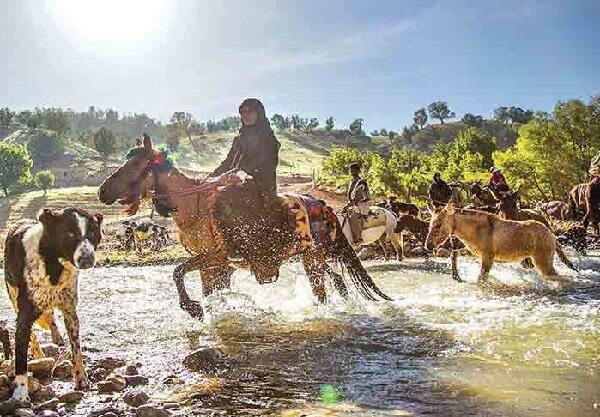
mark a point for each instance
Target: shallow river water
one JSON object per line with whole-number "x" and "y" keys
{"x": 513, "y": 348}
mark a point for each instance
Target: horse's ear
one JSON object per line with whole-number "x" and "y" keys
{"x": 432, "y": 209}
{"x": 450, "y": 207}
{"x": 147, "y": 143}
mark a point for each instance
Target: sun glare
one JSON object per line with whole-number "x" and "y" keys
{"x": 122, "y": 22}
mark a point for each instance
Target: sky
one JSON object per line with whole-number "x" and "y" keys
{"x": 378, "y": 60}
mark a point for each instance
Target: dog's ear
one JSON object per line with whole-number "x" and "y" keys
{"x": 98, "y": 217}
{"x": 47, "y": 216}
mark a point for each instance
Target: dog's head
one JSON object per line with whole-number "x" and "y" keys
{"x": 72, "y": 234}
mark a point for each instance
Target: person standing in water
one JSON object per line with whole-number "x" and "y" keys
{"x": 255, "y": 150}
{"x": 359, "y": 198}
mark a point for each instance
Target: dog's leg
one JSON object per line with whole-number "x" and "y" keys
{"x": 69, "y": 311}
{"x": 25, "y": 319}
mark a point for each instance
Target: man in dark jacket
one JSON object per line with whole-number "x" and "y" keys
{"x": 255, "y": 149}
{"x": 439, "y": 191}
{"x": 359, "y": 198}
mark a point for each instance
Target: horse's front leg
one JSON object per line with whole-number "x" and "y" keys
{"x": 486, "y": 265}
{"x": 454, "y": 263}
{"x": 194, "y": 308}
{"x": 398, "y": 243}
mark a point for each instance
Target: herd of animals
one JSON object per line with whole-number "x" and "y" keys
{"x": 42, "y": 257}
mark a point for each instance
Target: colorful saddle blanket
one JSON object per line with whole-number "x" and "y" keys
{"x": 312, "y": 219}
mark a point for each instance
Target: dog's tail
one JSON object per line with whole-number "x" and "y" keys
{"x": 563, "y": 257}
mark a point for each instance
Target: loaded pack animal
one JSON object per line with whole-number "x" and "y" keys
{"x": 417, "y": 227}
{"x": 555, "y": 210}
{"x": 132, "y": 234}
{"x": 41, "y": 263}
{"x": 217, "y": 221}
{"x": 493, "y": 239}
{"x": 378, "y": 226}
{"x": 586, "y": 198}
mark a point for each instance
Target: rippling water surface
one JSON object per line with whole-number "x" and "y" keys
{"x": 516, "y": 347}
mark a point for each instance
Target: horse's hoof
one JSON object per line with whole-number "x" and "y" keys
{"x": 194, "y": 309}
{"x": 457, "y": 278}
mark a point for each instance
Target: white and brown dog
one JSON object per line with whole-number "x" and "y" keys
{"x": 41, "y": 259}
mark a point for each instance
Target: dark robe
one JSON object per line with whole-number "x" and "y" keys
{"x": 440, "y": 192}
{"x": 255, "y": 150}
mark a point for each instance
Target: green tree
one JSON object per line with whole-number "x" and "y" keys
{"x": 439, "y": 110}
{"x": 420, "y": 117}
{"x": 183, "y": 124}
{"x": 56, "y": 119}
{"x": 329, "y": 124}
{"x": 313, "y": 123}
{"x": 356, "y": 127}
{"x": 15, "y": 166}
{"x": 477, "y": 142}
{"x": 45, "y": 146}
{"x": 105, "y": 142}
{"x": 472, "y": 120}
{"x": 45, "y": 180}
{"x": 6, "y": 116}
{"x": 502, "y": 115}
{"x": 278, "y": 121}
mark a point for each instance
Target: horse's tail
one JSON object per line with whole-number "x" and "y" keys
{"x": 563, "y": 257}
{"x": 342, "y": 252}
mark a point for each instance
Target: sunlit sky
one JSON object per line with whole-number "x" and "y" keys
{"x": 379, "y": 60}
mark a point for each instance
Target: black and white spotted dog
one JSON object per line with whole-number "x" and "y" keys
{"x": 41, "y": 259}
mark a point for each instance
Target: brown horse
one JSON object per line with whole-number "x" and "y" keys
{"x": 586, "y": 197}
{"x": 416, "y": 226}
{"x": 481, "y": 195}
{"x": 508, "y": 209}
{"x": 225, "y": 223}
{"x": 494, "y": 239}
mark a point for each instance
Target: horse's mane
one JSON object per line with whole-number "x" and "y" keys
{"x": 477, "y": 213}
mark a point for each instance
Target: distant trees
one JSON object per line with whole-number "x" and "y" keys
{"x": 183, "y": 123}
{"x": 329, "y": 124}
{"x": 472, "y": 120}
{"x": 228, "y": 124}
{"x": 44, "y": 180}
{"x": 105, "y": 142}
{"x": 280, "y": 122}
{"x": 45, "y": 146}
{"x": 420, "y": 117}
{"x": 356, "y": 127}
{"x": 513, "y": 115}
{"x": 15, "y": 166}
{"x": 439, "y": 110}
{"x": 6, "y": 116}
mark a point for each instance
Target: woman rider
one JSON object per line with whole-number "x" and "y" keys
{"x": 255, "y": 149}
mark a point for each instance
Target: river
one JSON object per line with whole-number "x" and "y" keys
{"x": 512, "y": 348}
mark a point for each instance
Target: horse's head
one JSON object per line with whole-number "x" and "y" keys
{"x": 136, "y": 179}
{"x": 440, "y": 226}
{"x": 508, "y": 205}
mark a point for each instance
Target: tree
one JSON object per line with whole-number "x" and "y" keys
{"x": 472, "y": 120}
{"x": 408, "y": 133}
{"x": 420, "y": 117}
{"x": 111, "y": 116}
{"x": 184, "y": 124}
{"x": 356, "y": 127}
{"x": 104, "y": 142}
{"x": 313, "y": 123}
{"x": 6, "y": 116}
{"x": 439, "y": 110}
{"x": 15, "y": 165}
{"x": 329, "y": 124}
{"x": 502, "y": 115}
{"x": 44, "y": 180}
{"x": 278, "y": 121}
{"x": 45, "y": 146}
{"x": 55, "y": 119}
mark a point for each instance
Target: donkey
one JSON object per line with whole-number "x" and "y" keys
{"x": 493, "y": 239}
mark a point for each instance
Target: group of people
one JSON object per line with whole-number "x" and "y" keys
{"x": 255, "y": 150}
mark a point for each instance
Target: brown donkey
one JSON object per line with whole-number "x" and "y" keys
{"x": 493, "y": 239}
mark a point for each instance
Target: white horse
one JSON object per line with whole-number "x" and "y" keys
{"x": 379, "y": 225}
